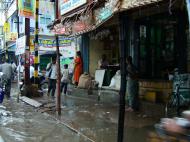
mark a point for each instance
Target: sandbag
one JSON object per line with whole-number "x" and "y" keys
{"x": 85, "y": 81}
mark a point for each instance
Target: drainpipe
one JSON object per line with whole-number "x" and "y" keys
{"x": 123, "y": 47}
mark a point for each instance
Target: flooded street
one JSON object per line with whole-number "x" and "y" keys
{"x": 83, "y": 119}
{"x": 98, "y": 120}
{"x": 21, "y": 123}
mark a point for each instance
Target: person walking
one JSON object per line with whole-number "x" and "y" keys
{"x": 65, "y": 79}
{"x": 78, "y": 69}
{"x": 7, "y": 70}
{"x": 52, "y": 75}
{"x": 14, "y": 69}
{"x": 132, "y": 86}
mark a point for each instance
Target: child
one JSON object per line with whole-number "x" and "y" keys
{"x": 65, "y": 79}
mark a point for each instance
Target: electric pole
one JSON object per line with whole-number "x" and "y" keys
{"x": 58, "y": 63}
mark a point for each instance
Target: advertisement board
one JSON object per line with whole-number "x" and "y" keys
{"x": 20, "y": 45}
{"x": 11, "y": 36}
{"x": 6, "y": 27}
{"x": 68, "y": 5}
{"x": 26, "y": 8}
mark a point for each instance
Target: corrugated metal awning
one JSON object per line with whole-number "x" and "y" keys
{"x": 91, "y": 28}
{"x": 130, "y": 4}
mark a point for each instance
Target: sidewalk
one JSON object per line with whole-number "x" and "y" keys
{"x": 97, "y": 118}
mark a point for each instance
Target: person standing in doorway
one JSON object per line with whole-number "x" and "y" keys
{"x": 65, "y": 79}
{"x": 78, "y": 69}
{"x": 52, "y": 75}
{"x": 103, "y": 63}
{"x": 7, "y": 70}
{"x": 132, "y": 86}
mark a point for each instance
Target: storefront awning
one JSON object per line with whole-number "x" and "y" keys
{"x": 130, "y": 4}
{"x": 91, "y": 28}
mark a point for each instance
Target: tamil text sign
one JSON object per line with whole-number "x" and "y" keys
{"x": 68, "y": 5}
{"x": 20, "y": 45}
{"x": 26, "y": 8}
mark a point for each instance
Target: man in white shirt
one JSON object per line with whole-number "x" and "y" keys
{"x": 52, "y": 69}
{"x": 21, "y": 69}
{"x": 31, "y": 71}
{"x": 65, "y": 79}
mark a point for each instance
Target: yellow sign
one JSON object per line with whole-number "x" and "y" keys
{"x": 31, "y": 45}
{"x": 6, "y": 27}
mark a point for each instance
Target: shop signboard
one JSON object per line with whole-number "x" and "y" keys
{"x": 59, "y": 29}
{"x": 12, "y": 9}
{"x": 68, "y": 54}
{"x": 11, "y": 36}
{"x": 68, "y": 5}
{"x": 20, "y": 45}
{"x": 31, "y": 45}
{"x": 102, "y": 14}
{"x": 105, "y": 13}
{"x": 6, "y": 27}
{"x": 26, "y": 8}
{"x": 78, "y": 26}
{"x": 50, "y": 43}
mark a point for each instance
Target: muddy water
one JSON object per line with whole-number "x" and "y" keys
{"x": 20, "y": 123}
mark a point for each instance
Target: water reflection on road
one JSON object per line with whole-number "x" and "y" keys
{"x": 20, "y": 123}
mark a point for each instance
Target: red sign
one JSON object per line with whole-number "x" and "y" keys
{"x": 79, "y": 26}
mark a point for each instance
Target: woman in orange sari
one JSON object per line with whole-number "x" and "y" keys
{"x": 78, "y": 67}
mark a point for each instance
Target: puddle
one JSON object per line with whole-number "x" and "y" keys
{"x": 20, "y": 123}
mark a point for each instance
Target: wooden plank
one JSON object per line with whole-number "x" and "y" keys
{"x": 30, "y": 101}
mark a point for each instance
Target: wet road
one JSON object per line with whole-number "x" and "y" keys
{"x": 83, "y": 119}
{"x": 98, "y": 120}
{"x": 21, "y": 123}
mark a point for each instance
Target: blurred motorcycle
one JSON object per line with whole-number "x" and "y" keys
{"x": 42, "y": 82}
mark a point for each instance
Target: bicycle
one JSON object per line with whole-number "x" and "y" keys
{"x": 177, "y": 100}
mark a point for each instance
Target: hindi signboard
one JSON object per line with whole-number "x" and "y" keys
{"x": 68, "y": 5}
{"x": 20, "y": 45}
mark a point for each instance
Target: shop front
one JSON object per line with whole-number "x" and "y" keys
{"x": 105, "y": 40}
{"x": 157, "y": 39}
{"x": 155, "y": 36}
{"x": 159, "y": 45}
